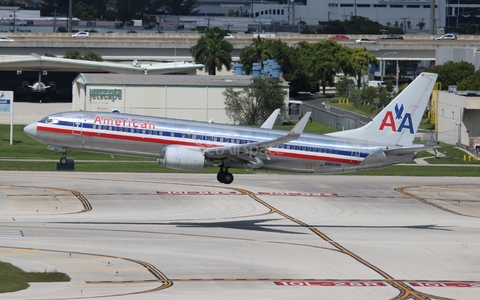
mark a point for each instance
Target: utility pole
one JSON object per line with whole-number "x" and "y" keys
{"x": 70, "y": 15}
{"x": 405, "y": 24}
{"x": 208, "y": 21}
{"x": 432, "y": 17}
{"x": 14, "y": 17}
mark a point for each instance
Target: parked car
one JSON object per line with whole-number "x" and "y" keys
{"x": 448, "y": 36}
{"x": 365, "y": 41}
{"x": 390, "y": 37}
{"x": 338, "y": 37}
{"x": 230, "y": 36}
{"x": 6, "y": 39}
{"x": 81, "y": 34}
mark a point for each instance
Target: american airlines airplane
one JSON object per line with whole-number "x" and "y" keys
{"x": 192, "y": 145}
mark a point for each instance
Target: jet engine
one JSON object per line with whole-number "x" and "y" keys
{"x": 176, "y": 157}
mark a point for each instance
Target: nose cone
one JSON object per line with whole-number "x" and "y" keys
{"x": 31, "y": 129}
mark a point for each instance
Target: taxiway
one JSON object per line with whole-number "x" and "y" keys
{"x": 266, "y": 236}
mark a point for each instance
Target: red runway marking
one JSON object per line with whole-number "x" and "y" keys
{"x": 445, "y": 284}
{"x": 195, "y": 193}
{"x": 330, "y": 283}
{"x": 297, "y": 194}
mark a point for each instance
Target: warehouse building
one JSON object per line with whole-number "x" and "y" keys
{"x": 186, "y": 97}
{"x": 457, "y": 118}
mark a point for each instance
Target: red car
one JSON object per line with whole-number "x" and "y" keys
{"x": 339, "y": 37}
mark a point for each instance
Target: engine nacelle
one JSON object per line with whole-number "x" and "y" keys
{"x": 177, "y": 157}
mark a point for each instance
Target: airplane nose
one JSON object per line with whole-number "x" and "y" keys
{"x": 31, "y": 129}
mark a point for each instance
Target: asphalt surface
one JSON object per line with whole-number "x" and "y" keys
{"x": 266, "y": 236}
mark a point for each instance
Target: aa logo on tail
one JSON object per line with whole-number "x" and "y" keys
{"x": 389, "y": 121}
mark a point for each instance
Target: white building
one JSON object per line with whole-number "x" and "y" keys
{"x": 457, "y": 118}
{"x": 394, "y": 12}
{"x": 188, "y": 97}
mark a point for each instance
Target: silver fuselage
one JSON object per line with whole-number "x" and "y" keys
{"x": 144, "y": 136}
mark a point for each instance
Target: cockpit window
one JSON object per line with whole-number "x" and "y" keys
{"x": 49, "y": 120}
{"x": 46, "y": 120}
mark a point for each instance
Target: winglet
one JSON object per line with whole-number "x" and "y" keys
{"x": 298, "y": 129}
{"x": 268, "y": 124}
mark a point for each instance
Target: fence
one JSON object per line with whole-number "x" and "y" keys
{"x": 333, "y": 117}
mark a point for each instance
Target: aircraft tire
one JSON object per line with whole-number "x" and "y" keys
{"x": 228, "y": 178}
{"x": 221, "y": 177}
{"x": 63, "y": 160}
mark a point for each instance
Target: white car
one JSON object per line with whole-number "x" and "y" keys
{"x": 365, "y": 41}
{"x": 230, "y": 36}
{"x": 448, "y": 36}
{"x": 6, "y": 39}
{"x": 81, "y": 34}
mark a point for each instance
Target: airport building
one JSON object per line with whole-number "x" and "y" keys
{"x": 409, "y": 13}
{"x": 198, "y": 98}
{"x": 457, "y": 118}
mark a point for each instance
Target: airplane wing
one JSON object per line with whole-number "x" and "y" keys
{"x": 246, "y": 153}
{"x": 268, "y": 124}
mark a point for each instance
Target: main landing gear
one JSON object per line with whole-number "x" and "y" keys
{"x": 224, "y": 176}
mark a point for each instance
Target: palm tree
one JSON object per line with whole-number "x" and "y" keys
{"x": 259, "y": 51}
{"x": 213, "y": 51}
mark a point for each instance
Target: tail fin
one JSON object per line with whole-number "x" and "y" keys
{"x": 397, "y": 123}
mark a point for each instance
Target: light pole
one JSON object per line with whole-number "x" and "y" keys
{"x": 290, "y": 1}
{"x": 382, "y": 69}
{"x": 368, "y": 61}
{"x": 288, "y": 13}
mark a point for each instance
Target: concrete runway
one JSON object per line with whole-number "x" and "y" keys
{"x": 184, "y": 236}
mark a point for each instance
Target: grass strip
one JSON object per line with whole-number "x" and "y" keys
{"x": 14, "y": 279}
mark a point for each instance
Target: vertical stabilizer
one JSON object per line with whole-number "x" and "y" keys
{"x": 397, "y": 123}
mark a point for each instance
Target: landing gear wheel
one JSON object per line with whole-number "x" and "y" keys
{"x": 224, "y": 176}
{"x": 228, "y": 178}
{"x": 221, "y": 177}
{"x": 63, "y": 160}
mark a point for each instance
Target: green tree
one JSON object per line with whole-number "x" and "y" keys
{"x": 322, "y": 61}
{"x": 92, "y": 56}
{"x": 368, "y": 94}
{"x": 73, "y": 54}
{"x": 356, "y": 62}
{"x": 293, "y": 68}
{"x": 258, "y": 51}
{"x": 213, "y": 51}
{"x": 358, "y": 25}
{"x": 472, "y": 82}
{"x": 181, "y": 8}
{"x": 85, "y": 12}
{"x": 128, "y": 10}
{"x": 342, "y": 87}
{"x": 255, "y": 102}
{"x": 452, "y": 73}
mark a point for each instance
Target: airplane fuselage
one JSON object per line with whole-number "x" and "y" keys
{"x": 142, "y": 136}
{"x": 191, "y": 145}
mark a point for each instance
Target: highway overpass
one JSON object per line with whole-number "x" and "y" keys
{"x": 175, "y": 46}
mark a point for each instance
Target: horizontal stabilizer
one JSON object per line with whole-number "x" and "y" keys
{"x": 407, "y": 150}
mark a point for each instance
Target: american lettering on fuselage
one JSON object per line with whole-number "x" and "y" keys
{"x": 192, "y": 145}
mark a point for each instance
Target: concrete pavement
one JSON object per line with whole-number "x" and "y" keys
{"x": 27, "y": 112}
